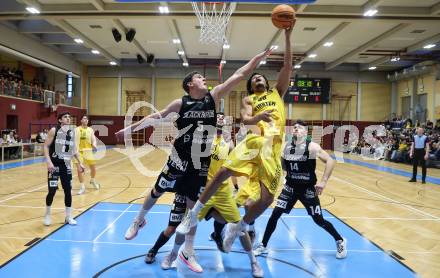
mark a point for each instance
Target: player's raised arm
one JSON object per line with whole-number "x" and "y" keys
{"x": 286, "y": 71}
{"x": 173, "y": 107}
{"x": 226, "y": 87}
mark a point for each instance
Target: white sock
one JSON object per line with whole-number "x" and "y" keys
{"x": 251, "y": 256}
{"x": 92, "y": 180}
{"x": 176, "y": 248}
{"x": 47, "y": 210}
{"x": 197, "y": 207}
{"x": 243, "y": 225}
{"x": 68, "y": 212}
{"x": 189, "y": 244}
{"x": 142, "y": 213}
{"x": 81, "y": 185}
{"x": 251, "y": 228}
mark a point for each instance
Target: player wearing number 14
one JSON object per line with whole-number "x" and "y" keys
{"x": 299, "y": 161}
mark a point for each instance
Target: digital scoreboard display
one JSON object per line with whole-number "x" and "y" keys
{"x": 308, "y": 90}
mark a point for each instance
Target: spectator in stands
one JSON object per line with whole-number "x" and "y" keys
{"x": 429, "y": 125}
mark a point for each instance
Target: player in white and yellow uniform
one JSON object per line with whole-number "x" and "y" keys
{"x": 86, "y": 144}
{"x": 263, "y": 108}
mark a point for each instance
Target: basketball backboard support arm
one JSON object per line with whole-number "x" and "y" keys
{"x": 291, "y": 2}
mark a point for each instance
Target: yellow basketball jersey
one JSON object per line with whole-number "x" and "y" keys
{"x": 270, "y": 100}
{"x": 84, "y": 137}
{"x": 219, "y": 153}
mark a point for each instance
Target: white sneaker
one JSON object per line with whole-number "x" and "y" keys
{"x": 169, "y": 261}
{"x": 231, "y": 232}
{"x": 260, "y": 250}
{"x": 132, "y": 231}
{"x": 47, "y": 220}
{"x": 189, "y": 221}
{"x": 190, "y": 261}
{"x": 257, "y": 271}
{"x": 81, "y": 190}
{"x": 341, "y": 248}
{"x": 95, "y": 184}
{"x": 70, "y": 221}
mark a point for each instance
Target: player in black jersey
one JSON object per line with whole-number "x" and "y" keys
{"x": 299, "y": 161}
{"x": 59, "y": 148}
{"x": 187, "y": 167}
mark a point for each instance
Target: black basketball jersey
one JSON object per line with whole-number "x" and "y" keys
{"x": 200, "y": 115}
{"x": 299, "y": 166}
{"x": 61, "y": 148}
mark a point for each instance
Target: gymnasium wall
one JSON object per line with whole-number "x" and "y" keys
{"x": 32, "y": 112}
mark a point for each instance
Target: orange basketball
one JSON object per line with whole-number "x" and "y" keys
{"x": 283, "y": 16}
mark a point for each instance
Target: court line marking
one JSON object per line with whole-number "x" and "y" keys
{"x": 111, "y": 224}
{"x": 213, "y": 248}
{"x": 385, "y": 198}
{"x": 45, "y": 183}
{"x": 264, "y": 215}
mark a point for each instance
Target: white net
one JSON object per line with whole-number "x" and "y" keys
{"x": 213, "y": 19}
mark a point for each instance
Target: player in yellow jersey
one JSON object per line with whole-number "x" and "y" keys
{"x": 86, "y": 145}
{"x": 264, "y": 107}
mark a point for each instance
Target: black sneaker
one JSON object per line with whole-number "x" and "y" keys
{"x": 151, "y": 256}
{"x": 218, "y": 241}
{"x": 412, "y": 180}
{"x": 423, "y": 182}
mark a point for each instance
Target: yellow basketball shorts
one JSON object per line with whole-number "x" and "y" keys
{"x": 250, "y": 190}
{"x": 261, "y": 154}
{"x": 223, "y": 202}
{"x": 86, "y": 157}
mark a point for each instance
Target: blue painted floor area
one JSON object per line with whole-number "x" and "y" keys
{"x": 392, "y": 170}
{"x": 96, "y": 248}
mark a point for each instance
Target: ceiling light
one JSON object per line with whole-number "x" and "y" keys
{"x": 185, "y": 64}
{"x": 263, "y": 62}
{"x": 297, "y": 66}
{"x": 274, "y": 47}
{"x": 32, "y": 10}
{"x": 94, "y": 51}
{"x": 180, "y": 52}
{"x": 372, "y": 68}
{"x": 370, "y": 12}
{"x": 222, "y": 62}
{"x": 429, "y": 46}
{"x": 112, "y": 63}
{"x": 226, "y": 46}
{"x": 328, "y": 44}
{"x": 79, "y": 41}
{"x": 313, "y": 55}
{"x": 176, "y": 41}
{"x": 164, "y": 10}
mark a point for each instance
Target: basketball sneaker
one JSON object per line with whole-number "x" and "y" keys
{"x": 260, "y": 250}
{"x": 47, "y": 220}
{"x": 95, "y": 184}
{"x": 257, "y": 271}
{"x": 132, "y": 231}
{"x": 190, "y": 260}
{"x": 218, "y": 241}
{"x": 169, "y": 261}
{"x": 232, "y": 231}
{"x": 341, "y": 248}
{"x": 150, "y": 257}
{"x": 69, "y": 220}
{"x": 189, "y": 221}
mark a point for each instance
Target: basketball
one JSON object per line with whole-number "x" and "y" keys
{"x": 283, "y": 16}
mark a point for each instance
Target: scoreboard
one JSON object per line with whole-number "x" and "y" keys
{"x": 308, "y": 90}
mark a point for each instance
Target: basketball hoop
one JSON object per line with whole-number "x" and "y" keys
{"x": 213, "y": 19}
